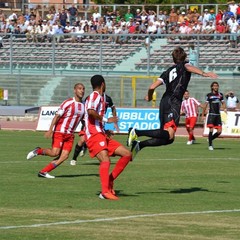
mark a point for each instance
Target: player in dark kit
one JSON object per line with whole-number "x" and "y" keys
{"x": 176, "y": 79}
{"x": 215, "y": 100}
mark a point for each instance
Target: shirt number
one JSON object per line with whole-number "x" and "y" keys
{"x": 172, "y": 74}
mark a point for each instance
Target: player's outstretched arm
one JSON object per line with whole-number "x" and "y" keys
{"x": 198, "y": 71}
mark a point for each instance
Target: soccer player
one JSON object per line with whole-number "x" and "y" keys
{"x": 81, "y": 146}
{"x": 190, "y": 109}
{"x": 99, "y": 144}
{"x": 62, "y": 128}
{"x": 176, "y": 79}
{"x": 215, "y": 101}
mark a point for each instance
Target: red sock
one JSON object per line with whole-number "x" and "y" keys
{"x": 40, "y": 151}
{"x": 49, "y": 167}
{"x": 104, "y": 175}
{"x": 119, "y": 167}
{"x": 191, "y": 136}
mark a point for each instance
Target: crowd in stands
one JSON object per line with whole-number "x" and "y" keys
{"x": 57, "y": 23}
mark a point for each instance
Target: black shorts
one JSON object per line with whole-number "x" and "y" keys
{"x": 169, "y": 111}
{"x": 214, "y": 121}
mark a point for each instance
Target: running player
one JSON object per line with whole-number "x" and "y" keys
{"x": 62, "y": 128}
{"x": 190, "y": 109}
{"x": 215, "y": 101}
{"x": 99, "y": 144}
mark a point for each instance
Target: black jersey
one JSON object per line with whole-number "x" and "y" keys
{"x": 214, "y": 100}
{"x": 176, "y": 79}
{"x": 108, "y": 101}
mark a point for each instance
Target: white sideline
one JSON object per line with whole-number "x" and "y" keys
{"x": 118, "y": 218}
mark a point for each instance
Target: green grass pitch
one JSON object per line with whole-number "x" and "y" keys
{"x": 172, "y": 192}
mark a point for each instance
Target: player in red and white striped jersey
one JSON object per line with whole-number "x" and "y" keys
{"x": 99, "y": 144}
{"x": 189, "y": 107}
{"x": 62, "y": 128}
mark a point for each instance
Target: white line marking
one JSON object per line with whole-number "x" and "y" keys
{"x": 84, "y": 162}
{"x": 118, "y": 218}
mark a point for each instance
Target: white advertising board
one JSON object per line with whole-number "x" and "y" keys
{"x": 230, "y": 124}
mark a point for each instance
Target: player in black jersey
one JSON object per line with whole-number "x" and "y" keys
{"x": 215, "y": 101}
{"x": 176, "y": 79}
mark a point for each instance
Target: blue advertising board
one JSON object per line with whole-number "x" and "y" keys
{"x": 142, "y": 119}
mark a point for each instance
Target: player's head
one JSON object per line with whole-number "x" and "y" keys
{"x": 79, "y": 90}
{"x": 214, "y": 86}
{"x": 98, "y": 81}
{"x": 178, "y": 55}
{"x": 186, "y": 95}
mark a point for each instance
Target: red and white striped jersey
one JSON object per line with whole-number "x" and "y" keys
{"x": 189, "y": 107}
{"x": 71, "y": 113}
{"x": 96, "y": 102}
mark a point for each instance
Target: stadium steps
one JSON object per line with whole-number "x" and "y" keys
{"x": 46, "y": 93}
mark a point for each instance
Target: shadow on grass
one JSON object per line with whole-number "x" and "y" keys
{"x": 77, "y": 175}
{"x": 189, "y": 190}
{"x": 180, "y": 191}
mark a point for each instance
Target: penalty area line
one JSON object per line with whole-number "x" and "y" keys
{"x": 118, "y": 218}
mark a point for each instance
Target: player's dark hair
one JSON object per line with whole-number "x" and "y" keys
{"x": 213, "y": 84}
{"x": 97, "y": 81}
{"x": 178, "y": 55}
{"x": 78, "y": 84}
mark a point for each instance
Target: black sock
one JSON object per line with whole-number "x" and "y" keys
{"x": 157, "y": 133}
{"x": 155, "y": 142}
{"x": 215, "y": 135}
{"x": 77, "y": 150}
{"x": 210, "y": 138}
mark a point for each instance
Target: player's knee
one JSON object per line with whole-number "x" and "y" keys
{"x": 170, "y": 141}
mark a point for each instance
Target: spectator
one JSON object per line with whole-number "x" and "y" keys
{"x": 197, "y": 27}
{"x": 233, "y": 8}
{"x": 13, "y": 16}
{"x": 220, "y": 29}
{"x": 96, "y": 15}
{"x": 232, "y": 101}
{"x": 212, "y": 16}
{"x": 209, "y": 29}
{"x": 138, "y": 16}
{"x": 219, "y": 16}
{"x": 2, "y": 18}
{"x": 238, "y": 11}
{"x": 173, "y": 17}
{"x": 233, "y": 28}
{"x": 193, "y": 56}
{"x": 195, "y": 15}
{"x": 181, "y": 17}
{"x": 151, "y": 16}
{"x": 162, "y": 16}
{"x": 128, "y": 15}
{"x": 144, "y": 16}
{"x": 161, "y": 26}
{"x": 206, "y": 16}
{"x": 59, "y": 33}
{"x": 131, "y": 27}
{"x": 41, "y": 34}
{"x": 63, "y": 17}
{"x": 50, "y": 33}
{"x": 183, "y": 29}
{"x": 118, "y": 16}
{"x": 72, "y": 14}
{"x": 123, "y": 39}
